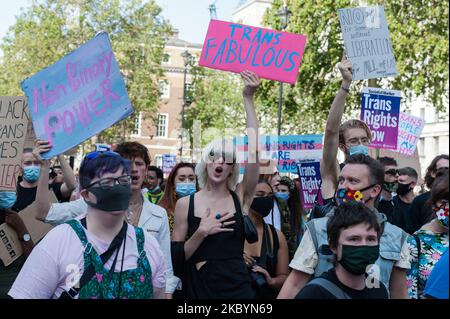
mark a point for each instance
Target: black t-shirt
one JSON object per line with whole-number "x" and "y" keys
{"x": 402, "y": 217}
{"x": 420, "y": 212}
{"x": 387, "y": 207}
{"x": 26, "y": 196}
{"x": 318, "y": 292}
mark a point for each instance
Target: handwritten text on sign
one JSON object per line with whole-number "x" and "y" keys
{"x": 78, "y": 96}
{"x": 380, "y": 111}
{"x": 13, "y": 129}
{"x": 271, "y": 54}
{"x": 367, "y": 42}
{"x": 309, "y": 174}
{"x": 409, "y": 131}
{"x": 287, "y": 150}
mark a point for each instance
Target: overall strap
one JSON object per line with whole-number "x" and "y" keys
{"x": 140, "y": 240}
{"x": 78, "y": 229}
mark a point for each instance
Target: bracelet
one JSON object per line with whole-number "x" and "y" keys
{"x": 345, "y": 89}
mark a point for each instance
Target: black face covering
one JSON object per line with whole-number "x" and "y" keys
{"x": 262, "y": 205}
{"x": 403, "y": 189}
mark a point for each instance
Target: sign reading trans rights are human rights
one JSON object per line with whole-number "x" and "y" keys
{"x": 78, "y": 96}
{"x": 367, "y": 42}
{"x": 271, "y": 54}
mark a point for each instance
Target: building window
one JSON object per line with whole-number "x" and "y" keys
{"x": 167, "y": 58}
{"x": 162, "y": 124}
{"x": 436, "y": 144}
{"x": 164, "y": 89}
{"x": 421, "y": 146}
{"x": 422, "y": 113}
{"x": 158, "y": 161}
{"x": 137, "y": 124}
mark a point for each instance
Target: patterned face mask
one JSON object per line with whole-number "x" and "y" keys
{"x": 345, "y": 195}
{"x": 442, "y": 215}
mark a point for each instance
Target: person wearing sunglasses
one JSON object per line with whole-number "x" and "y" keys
{"x": 140, "y": 212}
{"x": 389, "y": 189}
{"x": 430, "y": 242}
{"x": 209, "y": 229}
{"x": 98, "y": 255}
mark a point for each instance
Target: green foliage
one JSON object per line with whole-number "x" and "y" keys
{"x": 49, "y": 29}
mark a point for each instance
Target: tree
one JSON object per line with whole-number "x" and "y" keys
{"x": 49, "y": 29}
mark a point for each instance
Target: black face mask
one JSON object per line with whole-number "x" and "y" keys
{"x": 114, "y": 198}
{"x": 262, "y": 205}
{"x": 403, "y": 189}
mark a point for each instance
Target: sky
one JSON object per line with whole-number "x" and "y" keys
{"x": 190, "y": 17}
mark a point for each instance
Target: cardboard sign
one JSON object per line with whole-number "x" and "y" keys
{"x": 409, "y": 130}
{"x": 287, "y": 150}
{"x": 78, "y": 96}
{"x": 13, "y": 129}
{"x": 10, "y": 246}
{"x": 311, "y": 181}
{"x": 380, "y": 110}
{"x": 367, "y": 42}
{"x": 168, "y": 163}
{"x": 271, "y": 54}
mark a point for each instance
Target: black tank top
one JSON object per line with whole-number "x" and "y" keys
{"x": 224, "y": 245}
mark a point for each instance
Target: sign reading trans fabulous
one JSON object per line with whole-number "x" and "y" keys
{"x": 273, "y": 55}
{"x": 78, "y": 96}
{"x": 380, "y": 110}
{"x": 367, "y": 42}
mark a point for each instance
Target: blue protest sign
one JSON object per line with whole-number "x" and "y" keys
{"x": 311, "y": 181}
{"x": 168, "y": 162}
{"x": 78, "y": 96}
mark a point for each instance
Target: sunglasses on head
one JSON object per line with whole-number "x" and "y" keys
{"x": 95, "y": 154}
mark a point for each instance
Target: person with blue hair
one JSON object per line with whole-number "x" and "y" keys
{"x": 98, "y": 255}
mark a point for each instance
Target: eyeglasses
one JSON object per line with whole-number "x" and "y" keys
{"x": 95, "y": 154}
{"x": 111, "y": 181}
{"x": 392, "y": 171}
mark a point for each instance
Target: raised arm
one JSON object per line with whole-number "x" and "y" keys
{"x": 42, "y": 200}
{"x": 328, "y": 166}
{"x": 246, "y": 187}
{"x": 70, "y": 181}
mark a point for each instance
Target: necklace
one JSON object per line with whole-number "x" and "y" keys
{"x": 134, "y": 212}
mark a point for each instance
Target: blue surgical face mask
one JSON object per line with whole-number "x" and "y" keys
{"x": 282, "y": 196}
{"x": 31, "y": 173}
{"x": 185, "y": 189}
{"x": 359, "y": 149}
{"x": 7, "y": 199}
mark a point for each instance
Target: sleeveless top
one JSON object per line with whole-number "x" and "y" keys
{"x": 105, "y": 284}
{"x": 224, "y": 275}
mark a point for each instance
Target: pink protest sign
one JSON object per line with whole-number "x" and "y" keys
{"x": 273, "y": 55}
{"x": 409, "y": 130}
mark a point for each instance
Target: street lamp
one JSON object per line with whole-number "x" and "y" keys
{"x": 187, "y": 57}
{"x": 284, "y": 13}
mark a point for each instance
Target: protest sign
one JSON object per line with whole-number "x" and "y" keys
{"x": 78, "y": 96}
{"x": 409, "y": 130}
{"x": 380, "y": 110}
{"x": 13, "y": 129}
{"x": 102, "y": 147}
{"x": 168, "y": 162}
{"x": 367, "y": 42}
{"x": 10, "y": 246}
{"x": 272, "y": 54}
{"x": 310, "y": 179}
{"x": 287, "y": 150}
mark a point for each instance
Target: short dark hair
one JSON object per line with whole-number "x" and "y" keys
{"x": 375, "y": 169}
{"x": 432, "y": 169}
{"x": 347, "y": 215}
{"x": 387, "y": 161}
{"x": 408, "y": 171}
{"x": 158, "y": 171}
{"x": 439, "y": 189}
{"x": 96, "y": 167}
{"x": 131, "y": 150}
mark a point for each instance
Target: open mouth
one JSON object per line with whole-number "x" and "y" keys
{"x": 219, "y": 170}
{"x": 134, "y": 178}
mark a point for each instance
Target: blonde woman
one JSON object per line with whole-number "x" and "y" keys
{"x": 208, "y": 235}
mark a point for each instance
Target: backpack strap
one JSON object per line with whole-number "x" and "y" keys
{"x": 329, "y": 286}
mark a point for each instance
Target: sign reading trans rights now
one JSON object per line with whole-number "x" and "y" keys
{"x": 273, "y": 55}
{"x": 78, "y": 96}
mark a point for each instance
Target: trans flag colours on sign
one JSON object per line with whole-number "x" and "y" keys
{"x": 380, "y": 110}
{"x": 410, "y": 128}
{"x": 271, "y": 54}
{"x": 78, "y": 96}
{"x": 309, "y": 174}
{"x": 287, "y": 150}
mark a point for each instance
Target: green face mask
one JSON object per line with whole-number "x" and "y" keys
{"x": 355, "y": 259}
{"x": 390, "y": 187}
{"x": 114, "y": 198}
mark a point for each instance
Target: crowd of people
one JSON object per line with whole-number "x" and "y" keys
{"x": 121, "y": 230}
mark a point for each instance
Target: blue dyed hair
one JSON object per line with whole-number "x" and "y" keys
{"x": 96, "y": 167}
